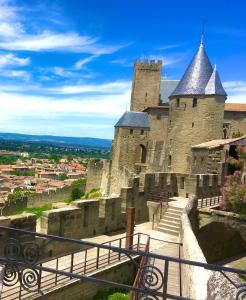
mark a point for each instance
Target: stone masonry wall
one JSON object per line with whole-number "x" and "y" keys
{"x": 146, "y": 85}
{"x": 237, "y": 121}
{"x": 195, "y": 279}
{"x": 158, "y": 119}
{"x": 189, "y": 126}
{"x": 94, "y": 174}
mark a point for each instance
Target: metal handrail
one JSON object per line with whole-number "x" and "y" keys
{"x": 17, "y": 265}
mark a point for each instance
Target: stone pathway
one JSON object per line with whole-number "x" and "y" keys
{"x": 161, "y": 243}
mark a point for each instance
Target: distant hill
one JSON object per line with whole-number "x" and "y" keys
{"x": 83, "y": 142}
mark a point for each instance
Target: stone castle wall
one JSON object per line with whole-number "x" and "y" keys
{"x": 94, "y": 174}
{"x": 12, "y": 207}
{"x": 146, "y": 85}
{"x": 158, "y": 119}
{"x": 237, "y": 121}
{"x": 189, "y": 126}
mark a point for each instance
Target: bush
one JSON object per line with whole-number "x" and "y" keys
{"x": 234, "y": 194}
{"x": 93, "y": 194}
{"x": 76, "y": 193}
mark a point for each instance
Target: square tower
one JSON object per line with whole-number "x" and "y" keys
{"x": 146, "y": 84}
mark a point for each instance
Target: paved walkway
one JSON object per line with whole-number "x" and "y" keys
{"x": 161, "y": 243}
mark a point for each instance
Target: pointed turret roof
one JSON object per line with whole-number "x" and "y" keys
{"x": 214, "y": 85}
{"x": 196, "y": 76}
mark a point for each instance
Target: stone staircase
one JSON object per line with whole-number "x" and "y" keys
{"x": 171, "y": 220}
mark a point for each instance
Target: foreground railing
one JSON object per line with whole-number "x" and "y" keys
{"x": 140, "y": 273}
{"x": 24, "y": 266}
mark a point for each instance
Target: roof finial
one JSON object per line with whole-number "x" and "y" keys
{"x": 203, "y": 29}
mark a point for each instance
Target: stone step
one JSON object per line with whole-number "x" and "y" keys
{"x": 169, "y": 231}
{"x": 176, "y": 208}
{"x": 171, "y": 218}
{"x": 168, "y": 226}
{"x": 174, "y": 211}
{"x": 169, "y": 223}
{"x": 172, "y": 214}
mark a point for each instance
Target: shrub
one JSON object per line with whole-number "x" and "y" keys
{"x": 76, "y": 193}
{"x": 234, "y": 193}
{"x": 38, "y": 211}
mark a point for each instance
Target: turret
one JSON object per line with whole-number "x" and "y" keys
{"x": 196, "y": 112}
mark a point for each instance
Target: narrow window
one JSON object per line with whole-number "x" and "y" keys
{"x": 192, "y": 124}
{"x": 170, "y": 122}
{"x": 142, "y": 132}
{"x": 178, "y": 102}
{"x": 182, "y": 182}
{"x": 194, "y": 103}
{"x": 131, "y": 131}
{"x": 169, "y": 160}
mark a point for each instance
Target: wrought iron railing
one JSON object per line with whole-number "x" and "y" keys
{"x": 23, "y": 266}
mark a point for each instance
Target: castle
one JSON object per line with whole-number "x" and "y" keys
{"x": 182, "y": 127}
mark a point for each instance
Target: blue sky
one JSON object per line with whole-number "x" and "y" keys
{"x": 66, "y": 66}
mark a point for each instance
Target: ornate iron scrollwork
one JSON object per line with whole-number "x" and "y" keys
{"x": 241, "y": 294}
{"x": 152, "y": 278}
{"x": 28, "y": 277}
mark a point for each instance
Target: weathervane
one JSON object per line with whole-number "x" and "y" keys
{"x": 203, "y": 29}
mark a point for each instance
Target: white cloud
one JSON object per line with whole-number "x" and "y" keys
{"x": 122, "y": 62}
{"x": 171, "y": 46}
{"x": 236, "y": 91}
{"x": 17, "y": 34}
{"x": 15, "y": 74}
{"x": 52, "y": 41}
{"x": 36, "y": 106}
{"x": 80, "y": 63}
{"x": 111, "y": 88}
{"x": 9, "y": 60}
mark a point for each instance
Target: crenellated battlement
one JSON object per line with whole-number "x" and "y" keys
{"x": 148, "y": 65}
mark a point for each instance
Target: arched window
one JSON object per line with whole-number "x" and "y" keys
{"x": 140, "y": 154}
{"x": 143, "y": 153}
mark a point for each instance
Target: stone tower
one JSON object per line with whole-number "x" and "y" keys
{"x": 196, "y": 112}
{"x": 146, "y": 85}
{"x": 129, "y": 149}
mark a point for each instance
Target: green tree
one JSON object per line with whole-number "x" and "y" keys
{"x": 76, "y": 193}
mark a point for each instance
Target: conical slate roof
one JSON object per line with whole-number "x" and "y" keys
{"x": 133, "y": 119}
{"x": 214, "y": 85}
{"x": 196, "y": 76}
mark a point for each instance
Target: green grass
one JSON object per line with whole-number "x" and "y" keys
{"x": 38, "y": 211}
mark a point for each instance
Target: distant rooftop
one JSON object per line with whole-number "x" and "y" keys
{"x": 235, "y": 107}
{"x": 133, "y": 119}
